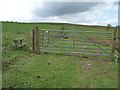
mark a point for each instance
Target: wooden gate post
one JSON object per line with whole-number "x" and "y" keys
{"x": 118, "y": 42}
{"x": 36, "y": 46}
{"x": 114, "y": 36}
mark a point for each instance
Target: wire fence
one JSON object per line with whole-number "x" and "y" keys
{"x": 81, "y": 42}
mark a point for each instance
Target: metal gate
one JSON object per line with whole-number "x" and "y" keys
{"x": 81, "y": 42}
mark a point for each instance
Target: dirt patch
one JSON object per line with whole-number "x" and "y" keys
{"x": 11, "y": 63}
{"x": 101, "y": 42}
{"x": 87, "y": 66}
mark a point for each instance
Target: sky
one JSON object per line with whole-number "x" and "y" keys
{"x": 84, "y": 12}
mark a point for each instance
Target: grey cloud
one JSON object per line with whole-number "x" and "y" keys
{"x": 50, "y": 9}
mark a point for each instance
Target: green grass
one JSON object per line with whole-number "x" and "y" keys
{"x": 24, "y": 69}
{"x": 63, "y": 71}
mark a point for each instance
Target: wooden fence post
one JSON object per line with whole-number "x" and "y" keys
{"x": 14, "y": 35}
{"x": 114, "y": 36}
{"x": 33, "y": 40}
{"x": 36, "y": 46}
{"x": 118, "y": 43}
{"x": 42, "y": 37}
{"x": 73, "y": 41}
{"x": 0, "y": 55}
{"x": 48, "y": 37}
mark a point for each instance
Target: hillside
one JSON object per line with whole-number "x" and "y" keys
{"x": 67, "y": 26}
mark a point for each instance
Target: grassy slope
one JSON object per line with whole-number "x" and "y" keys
{"x": 23, "y": 69}
{"x": 24, "y": 26}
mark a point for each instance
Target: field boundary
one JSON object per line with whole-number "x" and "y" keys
{"x": 52, "y": 38}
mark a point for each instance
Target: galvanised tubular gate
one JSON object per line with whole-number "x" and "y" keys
{"x": 81, "y": 42}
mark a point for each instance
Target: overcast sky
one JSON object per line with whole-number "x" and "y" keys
{"x": 90, "y": 13}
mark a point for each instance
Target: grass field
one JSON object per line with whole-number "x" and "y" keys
{"x": 24, "y": 69}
